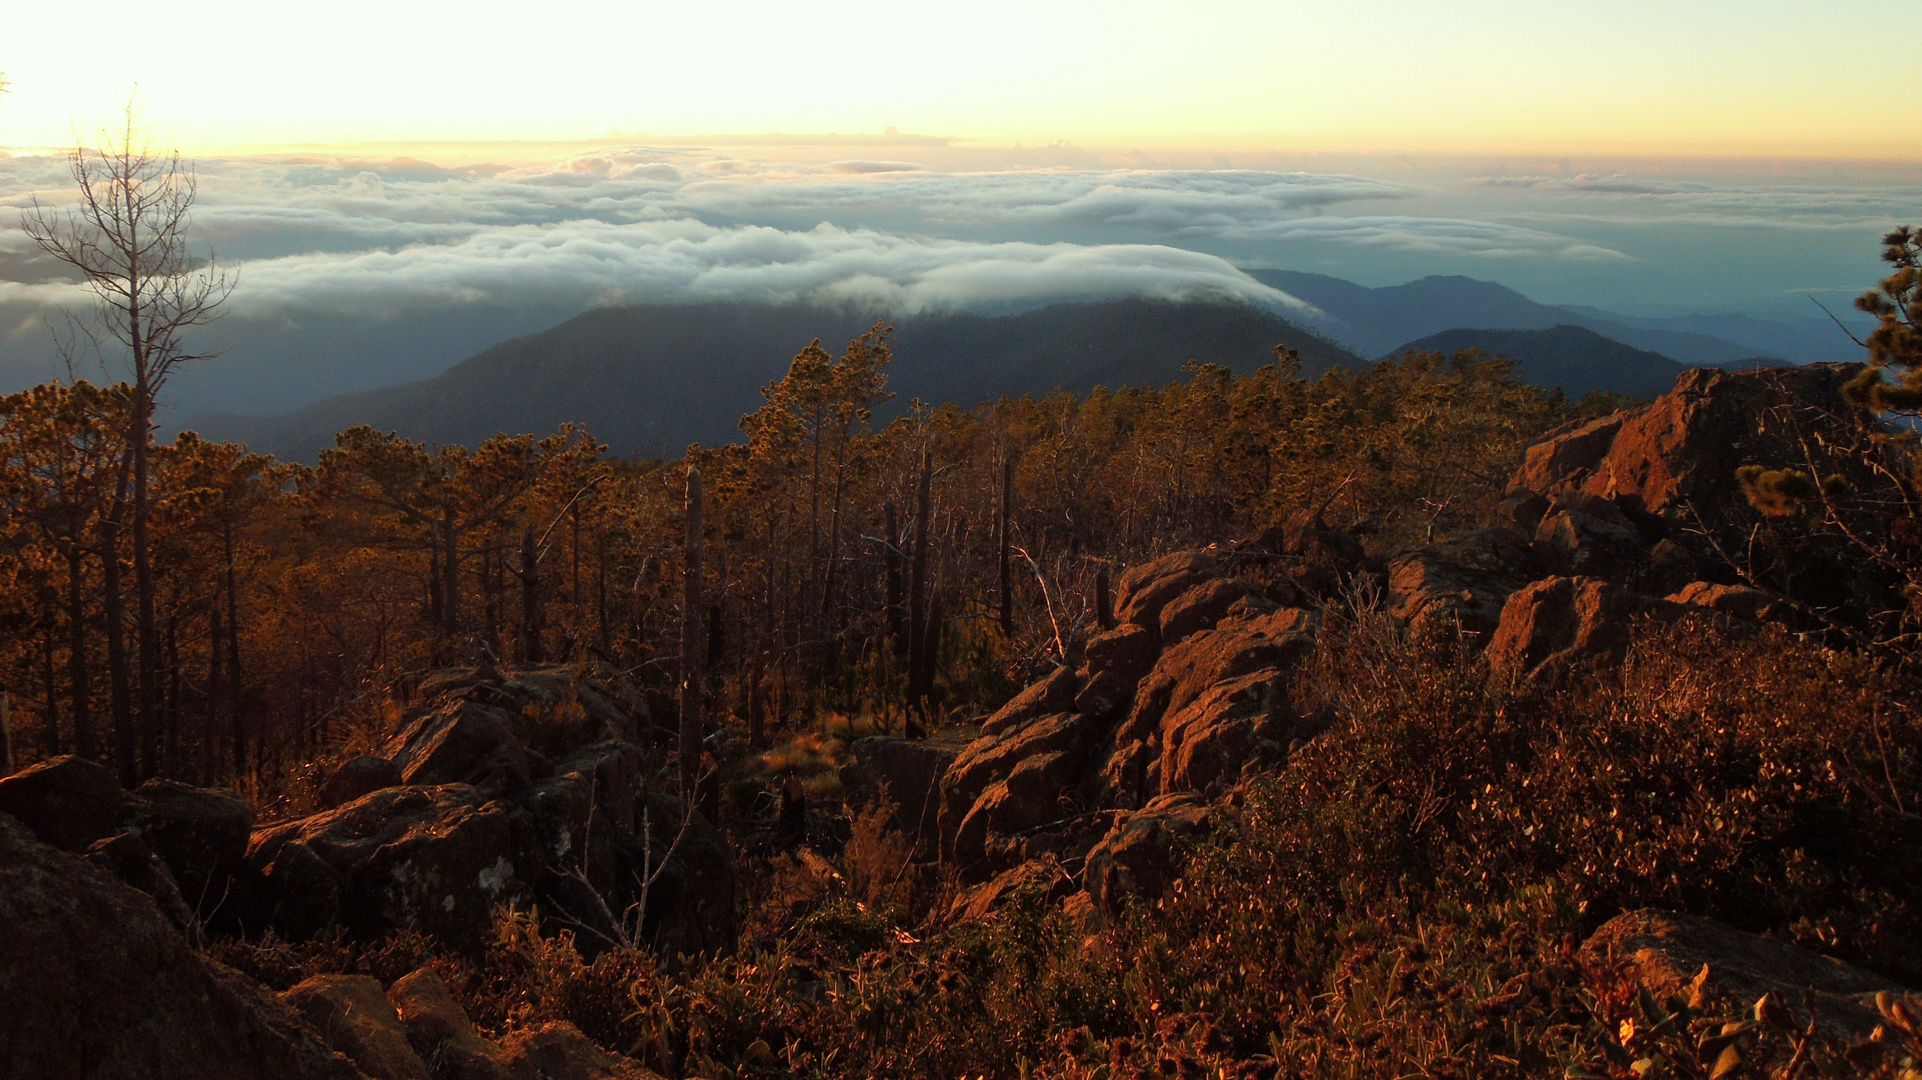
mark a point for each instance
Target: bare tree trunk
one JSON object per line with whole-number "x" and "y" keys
{"x": 51, "y": 714}
{"x": 125, "y": 745}
{"x": 600, "y": 590}
{"x": 236, "y": 706}
{"x": 216, "y": 681}
{"x": 1007, "y": 577}
{"x": 897, "y": 619}
{"x": 170, "y": 755}
{"x": 691, "y": 644}
{"x": 146, "y": 632}
{"x": 449, "y": 576}
{"x": 530, "y": 575}
{"x": 918, "y": 580}
{"x": 77, "y": 674}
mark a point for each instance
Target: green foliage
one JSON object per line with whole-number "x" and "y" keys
{"x": 1893, "y": 380}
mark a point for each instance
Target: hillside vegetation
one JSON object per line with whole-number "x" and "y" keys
{"x": 1410, "y": 721}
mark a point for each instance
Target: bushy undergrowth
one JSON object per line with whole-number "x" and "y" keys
{"x": 1406, "y": 898}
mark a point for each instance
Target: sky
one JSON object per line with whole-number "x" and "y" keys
{"x": 1629, "y": 77}
{"x": 402, "y": 184}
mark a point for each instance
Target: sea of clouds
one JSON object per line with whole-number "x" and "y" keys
{"x": 328, "y": 245}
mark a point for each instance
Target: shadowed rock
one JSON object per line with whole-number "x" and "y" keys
{"x": 439, "y": 1031}
{"x": 363, "y": 775}
{"x": 1664, "y": 951}
{"x": 352, "y": 1014}
{"x": 97, "y": 983}
{"x": 68, "y": 801}
{"x": 558, "y": 1051}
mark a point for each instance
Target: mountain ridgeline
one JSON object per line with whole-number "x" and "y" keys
{"x": 1572, "y": 359}
{"x": 651, "y": 379}
{"x": 1372, "y": 321}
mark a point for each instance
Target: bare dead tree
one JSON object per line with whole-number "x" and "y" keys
{"x": 127, "y": 236}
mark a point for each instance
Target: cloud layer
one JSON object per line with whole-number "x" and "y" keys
{"x": 651, "y": 224}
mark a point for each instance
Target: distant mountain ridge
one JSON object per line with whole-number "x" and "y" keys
{"x": 651, "y": 379}
{"x": 1572, "y": 359}
{"x": 1374, "y": 320}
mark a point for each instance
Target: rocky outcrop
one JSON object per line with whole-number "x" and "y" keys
{"x": 1735, "y": 601}
{"x": 1188, "y": 695}
{"x": 1146, "y": 589}
{"x": 572, "y": 829}
{"x": 97, "y": 983}
{"x": 1583, "y": 535}
{"x": 980, "y": 793}
{"x": 463, "y": 741}
{"x": 1664, "y": 952}
{"x": 128, "y": 858}
{"x": 354, "y": 1017}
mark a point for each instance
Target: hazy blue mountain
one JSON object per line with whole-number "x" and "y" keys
{"x": 1372, "y": 321}
{"x": 1573, "y": 359}
{"x": 651, "y": 379}
{"x": 1807, "y": 340}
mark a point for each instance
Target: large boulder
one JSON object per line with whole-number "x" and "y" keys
{"x": 440, "y": 1032}
{"x": 558, "y": 1051}
{"x": 465, "y": 742}
{"x": 1461, "y": 582}
{"x": 1127, "y": 653}
{"x": 1559, "y": 623}
{"x": 353, "y": 1015}
{"x": 1588, "y": 536}
{"x": 1146, "y": 589}
{"x": 1664, "y": 952}
{"x": 1681, "y": 450}
{"x": 200, "y": 833}
{"x": 128, "y": 858}
{"x": 68, "y": 801}
{"x": 440, "y": 858}
{"x": 97, "y": 983}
